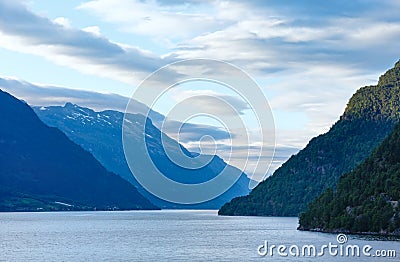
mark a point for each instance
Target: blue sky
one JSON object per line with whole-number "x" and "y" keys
{"x": 307, "y": 56}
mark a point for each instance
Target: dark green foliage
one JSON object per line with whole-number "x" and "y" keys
{"x": 379, "y": 103}
{"x": 366, "y": 199}
{"x": 369, "y": 117}
{"x": 41, "y": 169}
{"x": 391, "y": 78}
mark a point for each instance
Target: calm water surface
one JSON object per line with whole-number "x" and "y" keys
{"x": 160, "y": 236}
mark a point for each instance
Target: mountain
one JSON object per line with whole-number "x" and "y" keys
{"x": 41, "y": 169}
{"x": 366, "y": 200}
{"x": 369, "y": 117}
{"x": 100, "y": 133}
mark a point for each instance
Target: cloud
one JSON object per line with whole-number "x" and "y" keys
{"x": 189, "y": 133}
{"x": 167, "y": 21}
{"x": 84, "y": 50}
{"x": 63, "y": 22}
{"x": 42, "y": 95}
{"x": 209, "y": 100}
{"x": 320, "y": 91}
{"x": 237, "y": 153}
{"x": 269, "y": 44}
{"x": 95, "y": 30}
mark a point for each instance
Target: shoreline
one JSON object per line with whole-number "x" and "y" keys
{"x": 337, "y": 231}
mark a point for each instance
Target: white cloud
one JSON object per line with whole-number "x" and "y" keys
{"x": 153, "y": 19}
{"x": 95, "y": 30}
{"x": 63, "y": 22}
{"x": 205, "y": 100}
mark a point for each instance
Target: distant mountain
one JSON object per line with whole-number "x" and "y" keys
{"x": 41, "y": 169}
{"x": 366, "y": 200}
{"x": 369, "y": 117}
{"x": 101, "y": 134}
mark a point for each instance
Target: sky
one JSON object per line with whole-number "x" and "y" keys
{"x": 308, "y": 57}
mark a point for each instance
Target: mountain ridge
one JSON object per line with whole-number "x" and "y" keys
{"x": 366, "y": 200}
{"x": 370, "y": 116}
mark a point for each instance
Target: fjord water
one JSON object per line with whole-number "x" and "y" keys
{"x": 168, "y": 235}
